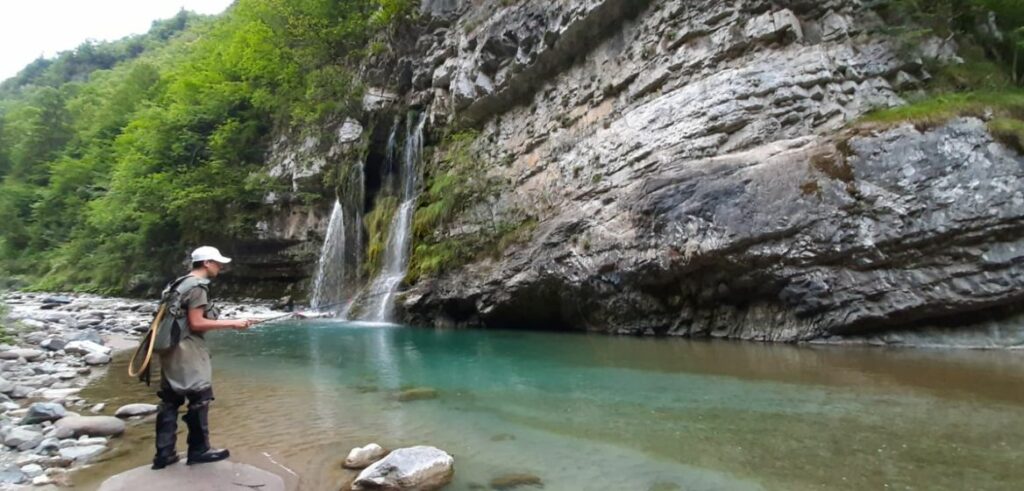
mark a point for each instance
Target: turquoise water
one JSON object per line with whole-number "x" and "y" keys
{"x": 596, "y": 412}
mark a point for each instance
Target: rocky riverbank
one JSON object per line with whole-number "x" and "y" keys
{"x": 54, "y": 346}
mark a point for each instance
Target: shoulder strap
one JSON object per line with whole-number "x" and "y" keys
{"x": 189, "y": 282}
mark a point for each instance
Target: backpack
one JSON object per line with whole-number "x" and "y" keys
{"x": 169, "y": 321}
{"x": 174, "y": 320}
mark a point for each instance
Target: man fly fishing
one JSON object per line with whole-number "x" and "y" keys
{"x": 186, "y": 314}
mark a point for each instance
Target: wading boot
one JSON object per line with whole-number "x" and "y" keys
{"x": 166, "y": 434}
{"x": 199, "y": 451}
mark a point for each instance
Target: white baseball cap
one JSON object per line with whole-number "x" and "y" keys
{"x": 207, "y": 253}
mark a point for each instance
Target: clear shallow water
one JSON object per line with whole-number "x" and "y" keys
{"x": 596, "y": 412}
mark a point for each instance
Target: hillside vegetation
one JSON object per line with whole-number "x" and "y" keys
{"x": 116, "y": 156}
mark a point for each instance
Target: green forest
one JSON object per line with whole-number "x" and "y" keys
{"x": 115, "y": 155}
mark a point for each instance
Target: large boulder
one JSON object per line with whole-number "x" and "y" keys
{"x": 419, "y": 468}
{"x": 217, "y": 476}
{"x": 43, "y": 411}
{"x": 92, "y": 425}
{"x": 361, "y": 457}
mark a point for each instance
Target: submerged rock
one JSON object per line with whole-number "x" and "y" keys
{"x": 361, "y": 457}
{"x": 512, "y": 481}
{"x": 417, "y": 394}
{"x": 419, "y": 468}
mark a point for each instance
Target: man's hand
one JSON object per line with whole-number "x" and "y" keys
{"x": 243, "y": 324}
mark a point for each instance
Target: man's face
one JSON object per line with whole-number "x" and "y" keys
{"x": 214, "y": 268}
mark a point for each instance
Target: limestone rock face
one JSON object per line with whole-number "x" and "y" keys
{"x": 418, "y": 468}
{"x": 690, "y": 172}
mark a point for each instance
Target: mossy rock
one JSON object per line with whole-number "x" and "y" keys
{"x": 515, "y": 480}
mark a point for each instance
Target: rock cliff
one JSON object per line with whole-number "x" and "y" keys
{"x": 694, "y": 168}
{"x": 692, "y": 173}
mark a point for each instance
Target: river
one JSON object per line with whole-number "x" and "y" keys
{"x": 597, "y": 412}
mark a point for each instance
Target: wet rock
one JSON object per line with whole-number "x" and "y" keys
{"x": 53, "y": 343}
{"x": 34, "y": 337}
{"x": 59, "y": 394}
{"x": 97, "y": 359}
{"x": 6, "y": 386}
{"x": 86, "y": 348}
{"x": 90, "y": 336}
{"x": 22, "y": 438}
{"x": 12, "y": 476}
{"x": 26, "y": 353}
{"x": 56, "y": 300}
{"x": 43, "y": 411}
{"x": 83, "y": 453}
{"x": 420, "y": 468}
{"x": 361, "y": 457}
{"x": 139, "y": 409}
{"x": 20, "y": 392}
{"x": 512, "y": 481}
{"x": 32, "y": 470}
{"x": 97, "y": 408}
{"x": 48, "y": 446}
{"x": 92, "y": 425}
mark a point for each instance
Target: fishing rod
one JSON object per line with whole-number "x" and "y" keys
{"x": 318, "y": 309}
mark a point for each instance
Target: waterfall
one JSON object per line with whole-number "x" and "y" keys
{"x": 380, "y": 303}
{"x": 330, "y": 270}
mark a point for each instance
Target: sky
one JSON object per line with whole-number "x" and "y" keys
{"x": 30, "y": 28}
